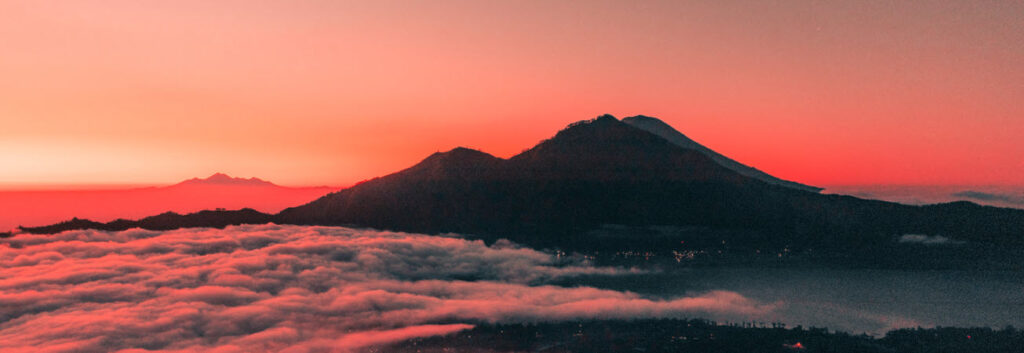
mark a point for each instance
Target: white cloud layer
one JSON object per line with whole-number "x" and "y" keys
{"x": 290, "y": 289}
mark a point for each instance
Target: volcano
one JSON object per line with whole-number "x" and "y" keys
{"x": 606, "y": 172}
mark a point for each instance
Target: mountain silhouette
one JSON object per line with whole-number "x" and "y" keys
{"x": 219, "y": 191}
{"x": 606, "y": 172}
{"x": 660, "y": 128}
{"x": 221, "y": 179}
{"x": 163, "y": 221}
{"x": 593, "y": 172}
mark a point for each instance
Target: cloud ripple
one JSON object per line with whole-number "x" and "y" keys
{"x": 290, "y": 289}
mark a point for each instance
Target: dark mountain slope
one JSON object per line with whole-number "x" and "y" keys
{"x": 605, "y": 149}
{"x": 658, "y": 127}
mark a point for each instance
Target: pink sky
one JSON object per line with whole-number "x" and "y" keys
{"x": 322, "y": 92}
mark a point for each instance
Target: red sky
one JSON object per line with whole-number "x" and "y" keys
{"x": 322, "y": 92}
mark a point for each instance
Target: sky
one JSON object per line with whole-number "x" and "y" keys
{"x": 334, "y": 92}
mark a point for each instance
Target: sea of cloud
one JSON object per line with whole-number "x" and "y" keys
{"x": 283, "y": 288}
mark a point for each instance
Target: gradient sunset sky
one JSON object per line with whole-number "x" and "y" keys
{"x": 333, "y": 92}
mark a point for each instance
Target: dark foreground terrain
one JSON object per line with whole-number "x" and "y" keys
{"x": 669, "y": 335}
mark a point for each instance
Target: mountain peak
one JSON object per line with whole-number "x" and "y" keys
{"x": 642, "y": 118}
{"x": 593, "y": 128}
{"x": 219, "y": 177}
{"x": 224, "y": 179}
{"x": 458, "y": 154}
{"x": 602, "y": 120}
{"x": 666, "y": 131}
{"x": 457, "y": 162}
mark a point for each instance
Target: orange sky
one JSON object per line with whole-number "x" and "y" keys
{"x": 326, "y": 92}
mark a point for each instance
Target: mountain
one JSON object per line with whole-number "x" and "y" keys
{"x": 221, "y": 179}
{"x": 591, "y": 173}
{"x": 219, "y": 191}
{"x": 164, "y": 221}
{"x": 605, "y": 172}
{"x": 660, "y": 128}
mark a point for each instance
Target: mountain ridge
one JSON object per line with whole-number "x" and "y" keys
{"x": 219, "y": 191}
{"x": 222, "y": 179}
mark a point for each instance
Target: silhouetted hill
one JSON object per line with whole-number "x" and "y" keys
{"x": 164, "y": 221}
{"x": 459, "y": 163}
{"x": 660, "y": 128}
{"x": 221, "y": 179}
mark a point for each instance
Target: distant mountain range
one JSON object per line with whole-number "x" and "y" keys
{"x": 37, "y": 207}
{"x": 221, "y": 179}
{"x": 633, "y": 175}
{"x": 992, "y": 195}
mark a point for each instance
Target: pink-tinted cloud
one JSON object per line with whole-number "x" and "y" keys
{"x": 292, "y": 288}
